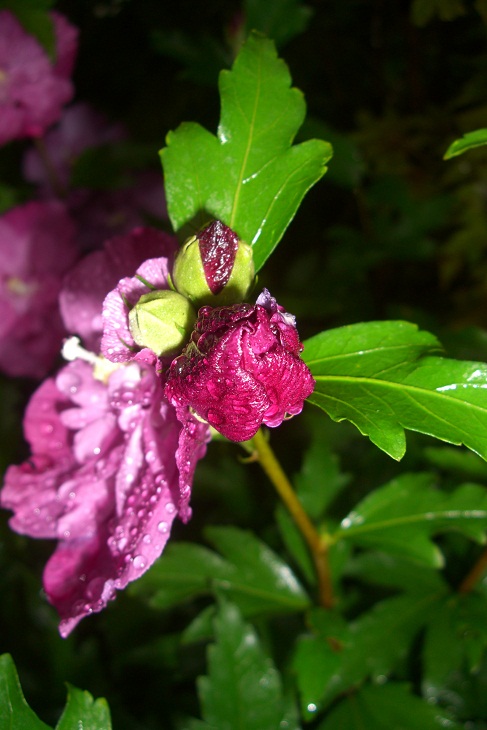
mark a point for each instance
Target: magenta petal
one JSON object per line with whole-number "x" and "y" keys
{"x": 85, "y": 573}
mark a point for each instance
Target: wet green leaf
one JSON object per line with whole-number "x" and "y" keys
{"x": 243, "y": 689}
{"x": 249, "y": 572}
{"x": 15, "y": 713}
{"x": 401, "y": 517}
{"x": 383, "y": 707}
{"x": 384, "y": 378}
{"x": 249, "y": 176}
{"x": 329, "y": 662}
{"x": 469, "y": 141}
{"x": 455, "y": 640}
{"x": 84, "y": 713}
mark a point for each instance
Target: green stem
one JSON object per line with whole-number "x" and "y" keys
{"x": 318, "y": 547}
{"x": 474, "y": 575}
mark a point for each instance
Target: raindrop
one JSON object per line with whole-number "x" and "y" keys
{"x": 139, "y": 562}
{"x": 170, "y": 508}
{"x": 163, "y": 527}
{"x": 147, "y": 539}
{"x": 311, "y": 707}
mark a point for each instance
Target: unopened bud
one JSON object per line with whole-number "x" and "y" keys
{"x": 214, "y": 267}
{"x": 162, "y": 321}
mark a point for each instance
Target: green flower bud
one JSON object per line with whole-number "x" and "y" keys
{"x": 214, "y": 267}
{"x": 162, "y": 321}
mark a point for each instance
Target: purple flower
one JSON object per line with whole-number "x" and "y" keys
{"x": 110, "y": 469}
{"x": 36, "y": 250}
{"x": 87, "y": 284}
{"x": 241, "y": 369}
{"x": 32, "y": 89}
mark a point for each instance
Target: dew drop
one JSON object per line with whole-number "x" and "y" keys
{"x": 139, "y": 562}
{"x": 147, "y": 539}
{"x": 163, "y": 527}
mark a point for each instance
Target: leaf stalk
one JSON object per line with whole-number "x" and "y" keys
{"x": 318, "y": 545}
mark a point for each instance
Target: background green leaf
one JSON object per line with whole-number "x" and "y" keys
{"x": 243, "y": 689}
{"x": 401, "y": 517}
{"x": 469, "y": 141}
{"x": 82, "y": 711}
{"x": 249, "y": 572}
{"x": 382, "y": 377}
{"x": 383, "y": 707}
{"x": 249, "y": 176}
{"x": 339, "y": 656}
{"x": 15, "y": 713}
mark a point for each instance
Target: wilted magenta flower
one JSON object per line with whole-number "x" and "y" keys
{"x": 32, "y": 89}
{"x": 110, "y": 469}
{"x": 87, "y": 284}
{"x": 241, "y": 368}
{"x": 36, "y": 250}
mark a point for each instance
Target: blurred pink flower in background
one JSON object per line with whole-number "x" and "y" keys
{"x": 36, "y": 250}
{"x": 33, "y": 90}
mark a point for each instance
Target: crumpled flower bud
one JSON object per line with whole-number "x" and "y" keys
{"x": 162, "y": 321}
{"x": 241, "y": 368}
{"x": 214, "y": 267}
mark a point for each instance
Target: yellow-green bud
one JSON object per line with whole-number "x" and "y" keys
{"x": 214, "y": 267}
{"x": 162, "y": 321}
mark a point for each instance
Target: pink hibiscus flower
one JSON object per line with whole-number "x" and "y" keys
{"x": 110, "y": 469}
{"x": 33, "y": 90}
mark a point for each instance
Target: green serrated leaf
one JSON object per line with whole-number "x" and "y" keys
{"x": 401, "y": 517}
{"x": 383, "y": 377}
{"x": 393, "y": 571}
{"x": 383, "y": 707}
{"x": 255, "y": 577}
{"x": 455, "y": 640}
{"x": 262, "y": 580}
{"x": 469, "y": 141}
{"x": 15, "y": 713}
{"x": 328, "y": 663}
{"x": 243, "y": 688}
{"x": 83, "y": 712}
{"x": 249, "y": 176}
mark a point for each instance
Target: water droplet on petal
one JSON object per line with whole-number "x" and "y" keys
{"x": 139, "y": 562}
{"x": 163, "y": 527}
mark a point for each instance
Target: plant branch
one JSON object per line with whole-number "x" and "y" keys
{"x": 475, "y": 574}
{"x": 317, "y": 546}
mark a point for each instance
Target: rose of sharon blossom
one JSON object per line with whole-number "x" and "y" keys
{"x": 87, "y": 284}
{"x": 32, "y": 89}
{"x": 110, "y": 469}
{"x": 36, "y": 249}
{"x": 241, "y": 368}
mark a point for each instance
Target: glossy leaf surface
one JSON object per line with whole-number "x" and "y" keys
{"x": 401, "y": 517}
{"x": 384, "y": 377}
{"x": 384, "y": 707}
{"x": 469, "y": 141}
{"x": 249, "y": 175}
{"x": 15, "y": 713}
{"x": 243, "y": 688}
{"x": 83, "y": 712}
{"x": 253, "y": 575}
{"x": 339, "y": 656}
